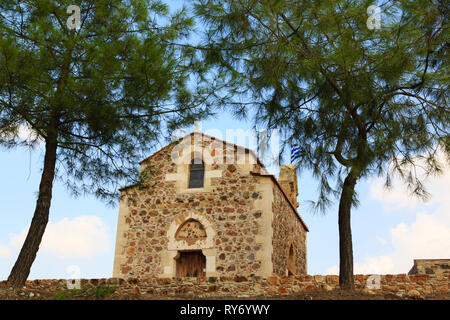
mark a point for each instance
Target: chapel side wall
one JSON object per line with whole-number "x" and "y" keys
{"x": 231, "y": 202}
{"x": 287, "y": 230}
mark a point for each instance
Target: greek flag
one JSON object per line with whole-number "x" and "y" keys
{"x": 296, "y": 152}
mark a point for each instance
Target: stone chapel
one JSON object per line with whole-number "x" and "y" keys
{"x": 207, "y": 207}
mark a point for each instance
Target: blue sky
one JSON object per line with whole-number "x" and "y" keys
{"x": 390, "y": 228}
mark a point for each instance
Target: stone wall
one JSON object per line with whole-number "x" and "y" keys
{"x": 401, "y": 285}
{"x": 431, "y": 266}
{"x": 287, "y": 231}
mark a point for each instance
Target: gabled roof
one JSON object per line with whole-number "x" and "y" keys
{"x": 265, "y": 174}
{"x": 210, "y": 137}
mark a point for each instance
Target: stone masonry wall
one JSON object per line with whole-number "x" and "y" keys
{"x": 401, "y": 285}
{"x": 227, "y": 202}
{"x": 287, "y": 231}
{"x": 431, "y": 266}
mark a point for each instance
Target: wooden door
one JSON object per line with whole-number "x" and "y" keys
{"x": 191, "y": 264}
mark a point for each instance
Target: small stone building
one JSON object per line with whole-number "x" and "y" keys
{"x": 431, "y": 266}
{"x": 206, "y": 207}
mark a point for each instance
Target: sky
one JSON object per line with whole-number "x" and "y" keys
{"x": 389, "y": 228}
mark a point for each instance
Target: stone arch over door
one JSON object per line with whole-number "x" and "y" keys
{"x": 190, "y": 231}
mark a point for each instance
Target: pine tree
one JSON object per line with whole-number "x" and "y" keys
{"x": 97, "y": 81}
{"x": 357, "y": 94}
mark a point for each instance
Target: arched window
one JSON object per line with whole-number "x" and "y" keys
{"x": 196, "y": 173}
{"x": 291, "y": 261}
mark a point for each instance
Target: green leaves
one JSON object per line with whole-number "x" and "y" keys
{"x": 359, "y": 97}
{"x": 115, "y": 83}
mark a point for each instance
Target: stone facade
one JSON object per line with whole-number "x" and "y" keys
{"x": 288, "y": 238}
{"x": 431, "y": 266}
{"x": 241, "y": 220}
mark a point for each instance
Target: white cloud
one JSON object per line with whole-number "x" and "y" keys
{"x": 393, "y": 199}
{"x": 399, "y": 197}
{"x": 24, "y": 134}
{"x": 4, "y": 251}
{"x": 381, "y": 240}
{"x": 333, "y": 270}
{"x": 372, "y": 265}
{"x": 377, "y": 265}
{"x": 81, "y": 237}
{"x": 427, "y": 237}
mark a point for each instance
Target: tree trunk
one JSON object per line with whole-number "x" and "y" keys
{"x": 27, "y": 255}
{"x": 346, "y": 280}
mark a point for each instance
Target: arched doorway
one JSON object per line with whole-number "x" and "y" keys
{"x": 190, "y": 249}
{"x": 191, "y": 263}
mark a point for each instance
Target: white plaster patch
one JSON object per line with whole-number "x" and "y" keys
{"x": 213, "y": 174}
{"x": 173, "y": 176}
